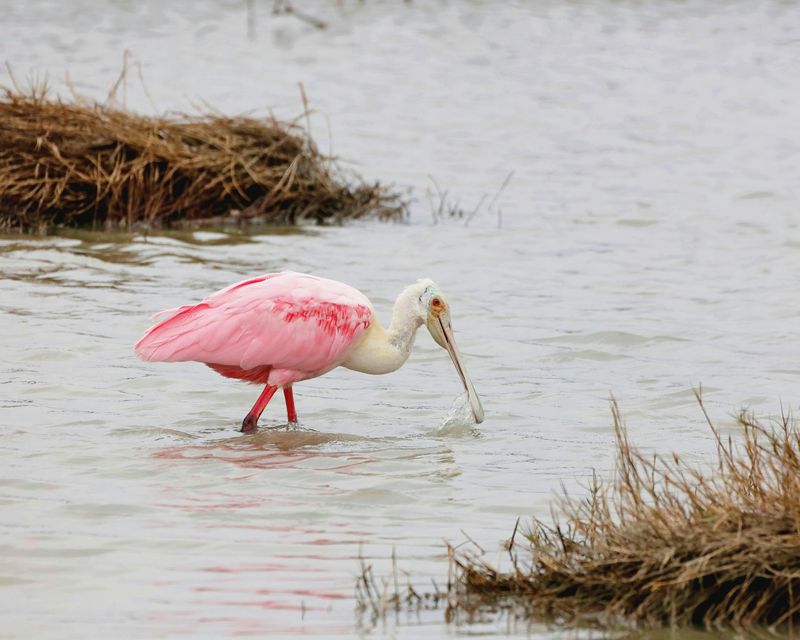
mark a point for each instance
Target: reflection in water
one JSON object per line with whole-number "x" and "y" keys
{"x": 272, "y": 448}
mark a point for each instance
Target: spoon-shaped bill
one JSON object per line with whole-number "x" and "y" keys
{"x": 443, "y": 334}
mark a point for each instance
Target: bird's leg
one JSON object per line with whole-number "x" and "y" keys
{"x": 291, "y": 413}
{"x": 250, "y": 421}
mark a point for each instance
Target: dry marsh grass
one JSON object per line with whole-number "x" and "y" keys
{"x": 662, "y": 543}
{"x": 88, "y": 164}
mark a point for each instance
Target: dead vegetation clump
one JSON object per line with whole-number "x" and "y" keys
{"x": 664, "y": 543}
{"x": 90, "y": 164}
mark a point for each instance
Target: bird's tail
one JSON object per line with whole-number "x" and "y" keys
{"x": 164, "y": 341}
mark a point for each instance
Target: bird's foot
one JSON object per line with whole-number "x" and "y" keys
{"x": 249, "y": 424}
{"x": 293, "y": 424}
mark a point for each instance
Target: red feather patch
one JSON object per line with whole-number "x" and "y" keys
{"x": 256, "y": 375}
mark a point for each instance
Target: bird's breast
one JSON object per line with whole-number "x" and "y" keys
{"x": 375, "y": 353}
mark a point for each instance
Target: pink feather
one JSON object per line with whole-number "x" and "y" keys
{"x": 276, "y": 329}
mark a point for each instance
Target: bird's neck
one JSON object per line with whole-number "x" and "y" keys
{"x": 385, "y": 350}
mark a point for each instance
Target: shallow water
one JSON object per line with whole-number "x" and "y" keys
{"x": 648, "y": 242}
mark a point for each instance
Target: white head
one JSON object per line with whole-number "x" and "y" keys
{"x": 434, "y": 310}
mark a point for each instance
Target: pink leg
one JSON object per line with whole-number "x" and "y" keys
{"x": 250, "y": 421}
{"x": 291, "y": 413}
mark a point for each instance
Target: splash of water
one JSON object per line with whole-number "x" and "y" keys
{"x": 459, "y": 421}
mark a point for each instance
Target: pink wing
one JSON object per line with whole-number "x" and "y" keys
{"x": 289, "y": 326}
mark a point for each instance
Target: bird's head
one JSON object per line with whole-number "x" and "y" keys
{"x": 435, "y": 311}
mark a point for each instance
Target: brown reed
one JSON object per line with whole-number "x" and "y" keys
{"x": 88, "y": 164}
{"x": 664, "y": 543}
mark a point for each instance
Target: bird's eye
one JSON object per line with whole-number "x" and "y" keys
{"x": 436, "y": 303}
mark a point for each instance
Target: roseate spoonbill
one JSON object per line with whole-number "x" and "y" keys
{"x": 281, "y": 328}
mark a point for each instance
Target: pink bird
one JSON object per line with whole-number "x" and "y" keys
{"x": 281, "y": 328}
